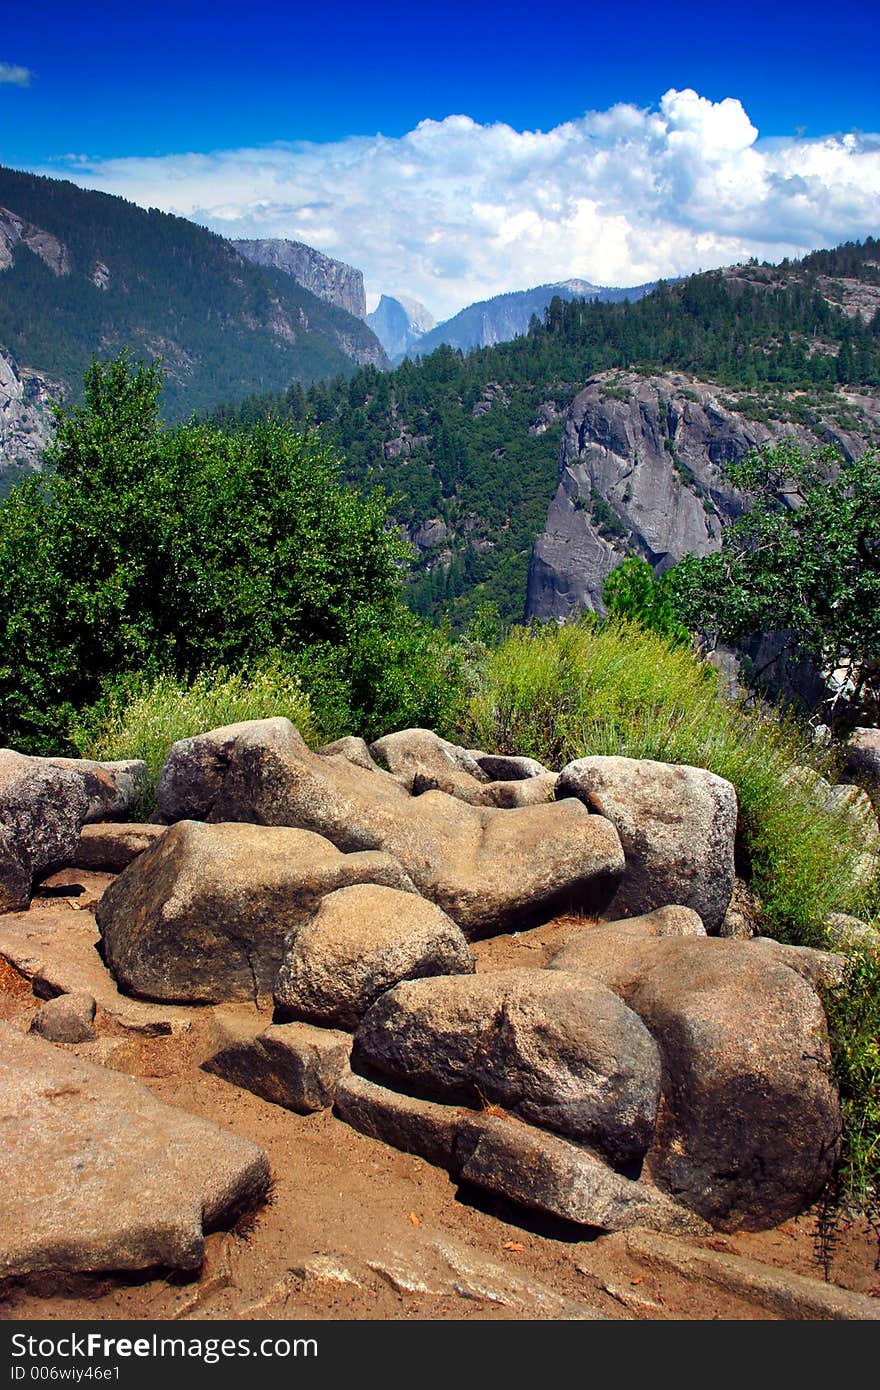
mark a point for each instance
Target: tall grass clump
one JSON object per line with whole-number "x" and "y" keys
{"x": 852, "y": 1008}
{"x": 139, "y": 717}
{"x": 559, "y": 693}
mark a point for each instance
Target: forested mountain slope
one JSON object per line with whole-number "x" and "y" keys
{"x": 505, "y": 316}
{"x": 83, "y": 273}
{"x": 472, "y": 442}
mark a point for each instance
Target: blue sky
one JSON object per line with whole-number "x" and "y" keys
{"x": 118, "y": 95}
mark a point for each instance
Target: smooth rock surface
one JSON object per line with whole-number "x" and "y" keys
{"x": 600, "y": 942}
{"x": 358, "y": 943}
{"x": 110, "y": 847}
{"x": 290, "y": 1064}
{"x": 113, "y": 788}
{"x": 550, "y": 1174}
{"x": 749, "y": 1123}
{"x": 488, "y": 869}
{"x": 202, "y": 915}
{"x": 526, "y": 1165}
{"x": 58, "y": 953}
{"x": 547, "y": 1047}
{"x": 42, "y": 809}
{"x": 356, "y": 750}
{"x": 677, "y": 825}
{"x": 424, "y": 762}
{"x": 411, "y": 752}
{"x": 66, "y": 1019}
{"x": 100, "y": 1176}
{"x": 417, "y": 1126}
{"x": 780, "y": 1291}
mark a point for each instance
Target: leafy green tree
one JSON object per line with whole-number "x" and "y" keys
{"x": 631, "y": 591}
{"x": 804, "y": 559}
{"x": 154, "y": 549}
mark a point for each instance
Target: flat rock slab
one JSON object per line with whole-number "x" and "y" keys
{"x": 778, "y": 1290}
{"x": 55, "y": 950}
{"x": 100, "y": 1176}
{"x": 291, "y": 1064}
{"x": 110, "y": 847}
{"x": 505, "y": 1156}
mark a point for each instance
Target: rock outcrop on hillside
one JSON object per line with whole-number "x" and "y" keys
{"x": 331, "y": 280}
{"x": 641, "y": 472}
{"x": 26, "y": 400}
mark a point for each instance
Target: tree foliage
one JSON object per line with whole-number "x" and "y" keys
{"x": 804, "y": 560}
{"x": 631, "y": 592}
{"x": 155, "y": 549}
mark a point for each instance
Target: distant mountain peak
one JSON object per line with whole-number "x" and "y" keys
{"x": 399, "y": 321}
{"x": 508, "y": 315}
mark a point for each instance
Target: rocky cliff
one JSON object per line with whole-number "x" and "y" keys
{"x": 642, "y": 472}
{"x": 399, "y": 324}
{"x": 330, "y": 280}
{"x": 25, "y": 420}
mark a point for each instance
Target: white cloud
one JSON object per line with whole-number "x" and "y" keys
{"x": 455, "y": 211}
{"x": 14, "y": 76}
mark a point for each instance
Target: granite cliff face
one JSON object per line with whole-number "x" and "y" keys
{"x": 399, "y": 324}
{"x": 641, "y": 472}
{"x": 333, "y": 281}
{"x": 15, "y": 231}
{"x": 25, "y": 420}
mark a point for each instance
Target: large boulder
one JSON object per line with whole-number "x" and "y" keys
{"x": 415, "y": 754}
{"x": 202, "y": 915}
{"x": 101, "y": 1176}
{"x": 750, "y": 1122}
{"x": 677, "y": 825}
{"x": 554, "y": 1050}
{"x": 424, "y": 762}
{"x": 358, "y": 943}
{"x": 489, "y": 869}
{"x": 290, "y": 1064}
{"x": 193, "y": 772}
{"x": 42, "y": 810}
{"x": 114, "y": 789}
{"x": 110, "y": 848}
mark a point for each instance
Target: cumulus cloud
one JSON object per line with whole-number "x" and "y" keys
{"x": 14, "y": 76}
{"x": 454, "y": 211}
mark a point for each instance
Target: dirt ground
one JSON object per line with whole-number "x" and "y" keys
{"x": 355, "y": 1229}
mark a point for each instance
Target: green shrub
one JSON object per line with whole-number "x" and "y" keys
{"x": 615, "y": 688}
{"x": 155, "y": 550}
{"x": 380, "y": 681}
{"x": 853, "y": 1010}
{"x": 141, "y": 718}
{"x": 383, "y": 679}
